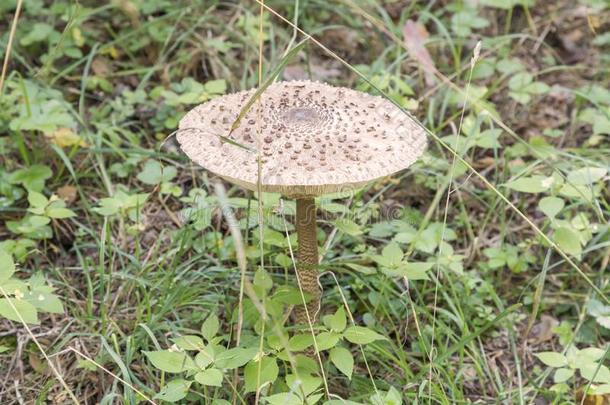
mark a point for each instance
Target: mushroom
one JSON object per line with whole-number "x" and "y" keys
{"x": 313, "y": 139}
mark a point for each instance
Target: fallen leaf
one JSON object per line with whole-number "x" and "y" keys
{"x": 67, "y": 193}
{"x": 415, "y": 34}
{"x": 591, "y": 399}
{"x": 35, "y": 362}
{"x": 100, "y": 66}
{"x": 130, "y": 10}
{"x": 543, "y": 330}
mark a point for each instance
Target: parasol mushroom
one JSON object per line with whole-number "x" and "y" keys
{"x": 313, "y": 139}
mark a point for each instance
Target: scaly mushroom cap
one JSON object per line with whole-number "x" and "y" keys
{"x": 314, "y": 138}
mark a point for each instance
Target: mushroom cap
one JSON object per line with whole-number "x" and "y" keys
{"x": 313, "y": 138}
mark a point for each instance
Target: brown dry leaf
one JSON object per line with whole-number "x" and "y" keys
{"x": 130, "y": 10}
{"x": 36, "y": 363}
{"x": 344, "y": 40}
{"x": 415, "y": 34}
{"x": 166, "y": 79}
{"x": 591, "y": 399}
{"x": 485, "y": 162}
{"x": 543, "y": 330}
{"x": 65, "y": 137}
{"x": 100, "y": 66}
{"x": 67, "y": 193}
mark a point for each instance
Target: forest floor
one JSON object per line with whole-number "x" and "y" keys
{"x": 487, "y": 284}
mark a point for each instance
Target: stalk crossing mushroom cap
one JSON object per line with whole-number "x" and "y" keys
{"x": 314, "y": 138}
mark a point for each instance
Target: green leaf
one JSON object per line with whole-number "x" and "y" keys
{"x": 108, "y": 206}
{"x": 210, "y": 327}
{"x": 412, "y": 270}
{"x": 174, "y": 390}
{"x": 551, "y": 206}
{"x": 361, "y": 335}
{"x": 36, "y": 199}
{"x": 39, "y": 32}
{"x": 519, "y": 81}
{"x": 7, "y": 266}
{"x": 552, "y": 359}
{"x": 595, "y": 373}
{"x": 25, "y": 309}
{"x": 510, "y": 65}
{"x": 600, "y": 312}
{"x": 38, "y": 220}
{"x": 326, "y": 340}
{"x": 343, "y": 360}
{"x": 393, "y": 397}
{"x": 189, "y": 342}
{"x": 32, "y": 178}
{"x": 585, "y": 193}
{"x": 337, "y": 321}
{"x": 235, "y": 357}
{"x": 586, "y": 175}
{"x": 59, "y": 212}
{"x": 592, "y": 354}
{"x": 284, "y": 398}
{"x": 603, "y": 389}
{"x": 216, "y": 86}
{"x": 393, "y": 254}
{"x": 300, "y": 342}
{"x": 536, "y": 88}
{"x": 533, "y": 184}
{"x": 568, "y": 240}
{"x": 562, "y": 375}
{"x": 520, "y": 97}
{"x": 170, "y": 362}
{"x": 45, "y": 301}
{"x": 268, "y": 373}
{"x": 262, "y": 279}
{"x": 348, "y": 226}
{"x": 309, "y": 383}
{"x": 153, "y": 173}
{"x": 205, "y": 357}
{"x": 212, "y": 377}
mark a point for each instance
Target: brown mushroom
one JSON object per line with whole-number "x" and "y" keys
{"x": 314, "y": 139}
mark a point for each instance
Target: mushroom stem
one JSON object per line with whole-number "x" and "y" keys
{"x": 307, "y": 260}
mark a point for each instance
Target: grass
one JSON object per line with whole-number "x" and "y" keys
{"x": 134, "y": 274}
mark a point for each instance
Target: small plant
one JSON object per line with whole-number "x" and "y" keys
{"x": 123, "y": 205}
{"x": 23, "y": 300}
{"x": 270, "y": 360}
{"x": 587, "y": 362}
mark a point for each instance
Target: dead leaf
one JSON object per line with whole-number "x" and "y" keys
{"x": 130, "y": 10}
{"x": 345, "y": 41}
{"x": 67, "y": 193}
{"x": 65, "y": 137}
{"x": 485, "y": 162}
{"x": 591, "y": 399}
{"x": 543, "y": 330}
{"x": 415, "y": 35}
{"x": 100, "y": 66}
{"x": 36, "y": 363}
